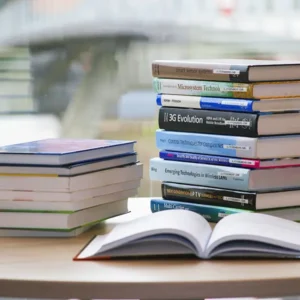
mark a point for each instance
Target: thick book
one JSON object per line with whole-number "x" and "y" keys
{"x": 230, "y": 198}
{"x": 223, "y": 176}
{"x": 234, "y": 70}
{"x": 53, "y": 183}
{"x": 32, "y": 196}
{"x": 271, "y": 147}
{"x": 228, "y": 104}
{"x": 58, "y": 151}
{"x": 228, "y": 123}
{"x": 214, "y": 214}
{"x": 258, "y": 90}
{"x": 229, "y": 161}
{"x": 66, "y": 206}
{"x": 180, "y": 232}
{"x": 59, "y": 219}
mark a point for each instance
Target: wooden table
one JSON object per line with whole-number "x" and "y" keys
{"x": 43, "y": 268}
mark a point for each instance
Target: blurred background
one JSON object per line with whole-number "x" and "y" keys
{"x": 82, "y": 68}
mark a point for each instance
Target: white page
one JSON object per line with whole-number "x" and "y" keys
{"x": 182, "y": 222}
{"x": 256, "y": 227}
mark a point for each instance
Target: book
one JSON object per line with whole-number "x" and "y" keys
{"x": 66, "y": 206}
{"x": 223, "y": 176}
{"x": 59, "y": 151}
{"x": 281, "y": 146}
{"x": 230, "y": 198}
{"x": 186, "y": 233}
{"x": 54, "y": 183}
{"x": 233, "y": 70}
{"x": 75, "y": 196}
{"x": 257, "y": 90}
{"x": 61, "y": 220}
{"x": 228, "y": 104}
{"x": 214, "y": 213}
{"x": 48, "y": 233}
{"x": 73, "y": 169}
{"x": 228, "y": 123}
{"x": 230, "y": 161}
{"x": 211, "y": 213}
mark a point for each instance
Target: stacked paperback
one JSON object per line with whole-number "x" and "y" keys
{"x": 63, "y": 187}
{"x": 228, "y": 137}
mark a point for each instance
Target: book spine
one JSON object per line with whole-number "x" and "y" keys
{"x": 224, "y": 104}
{"x": 232, "y": 146}
{"x": 210, "y": 159}
{"x": 216, "y": 72}
{"x": 199, "y": 174}
{"x": 208, "y": 196}
{"x": 212, "y": 214}
{"x": 203, "y": 88}
{"x": 208, "y": 121}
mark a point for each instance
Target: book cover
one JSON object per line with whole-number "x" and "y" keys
{"x": 208, "y": 121}
{"x": 212, "y": 144}
{"x": 211, "y": 213}
{"x": 208, "y": 195}
{"x": 60, "y": 146}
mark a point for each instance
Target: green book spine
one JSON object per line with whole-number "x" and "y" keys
{"x": 203, "y": 88}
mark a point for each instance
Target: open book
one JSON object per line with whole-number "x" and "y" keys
{"x": 182, "y": 232}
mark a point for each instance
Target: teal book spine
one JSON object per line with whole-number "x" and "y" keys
{"x": 211, "y": 213}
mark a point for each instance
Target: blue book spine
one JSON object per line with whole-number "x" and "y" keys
{"x": 199, "y": 174}
{"x": 211, "y": 213}
{"x": 212, "y": 144}
{"x": 210, "y": 103}
{"x": 209, "y": 159}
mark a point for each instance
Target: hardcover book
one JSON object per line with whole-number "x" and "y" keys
{"x": 62, "y": 151}
{"x": 214, "y": 214}
{"x": 224, "y": 177}
{"x": 229, "y": 161}
{"x": 228, "y": 104}
{"x": 257, "y": 90}
{"x": 234, "y": 70}
{"x": 280, "y": 146}
{"x": 180, "y": 232}
{"x": 187, "y": 193}
{"x": 228, "y": 123}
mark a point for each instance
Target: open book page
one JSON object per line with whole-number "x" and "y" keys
{"x": 161, "y": 227}
{"x": 184, "y": 223}
{"x": 255, "y": 227}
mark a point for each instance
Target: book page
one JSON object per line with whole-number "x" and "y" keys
{"x": 179, "y": 222}
{"x": 256, "y": 227}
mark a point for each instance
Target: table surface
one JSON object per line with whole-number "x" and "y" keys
{"x": 43, "y": 268}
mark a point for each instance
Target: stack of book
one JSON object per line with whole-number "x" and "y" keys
{"x": 229, "y": 137}
{"x": 16, "y": 82}
{"x": 62, "y": 187}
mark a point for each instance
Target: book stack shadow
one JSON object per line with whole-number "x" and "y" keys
{"x": 64, "y": 187}
{"x": 228, "y": 137}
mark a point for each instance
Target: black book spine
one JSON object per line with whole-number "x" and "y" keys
{"x": 208, "y": 121}
{"x": 208, "y": 196}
